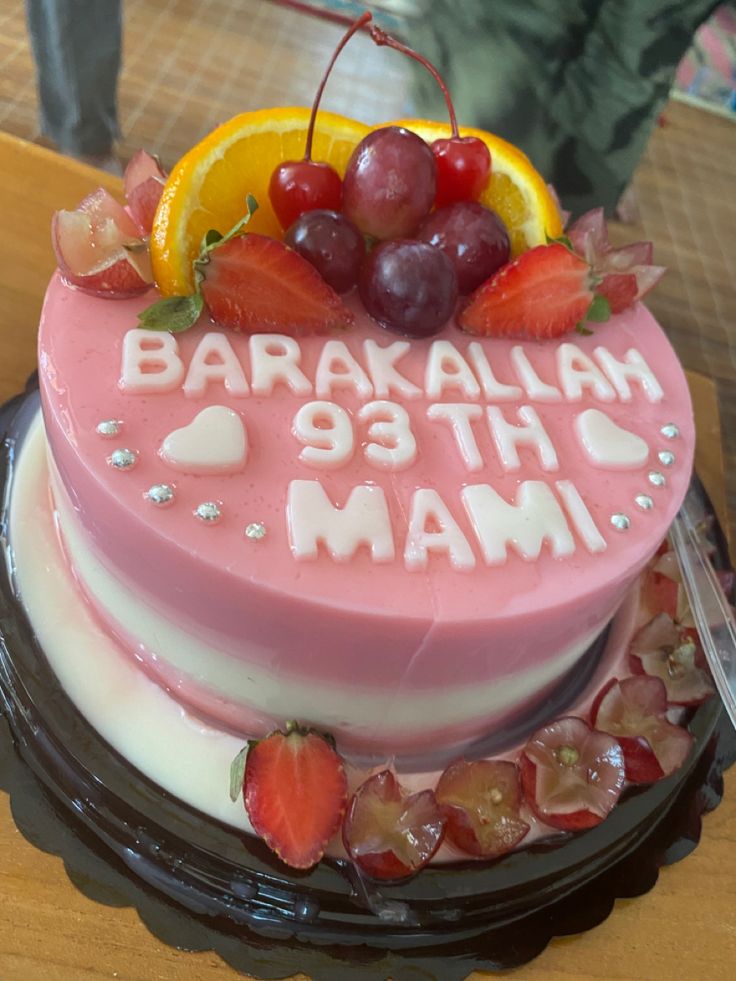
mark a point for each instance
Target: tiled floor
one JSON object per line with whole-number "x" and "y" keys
{"x": 189, "y": 64}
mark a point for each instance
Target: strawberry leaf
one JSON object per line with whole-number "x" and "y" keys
{"x": 599, "y": 310}
{"x": 583, "y": 330}
{"x": 237, "y": 773}
{"x": 174, "y": 313}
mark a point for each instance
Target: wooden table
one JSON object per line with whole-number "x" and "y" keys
{"x": 685, "y": 928}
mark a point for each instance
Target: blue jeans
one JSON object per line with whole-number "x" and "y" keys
{"x": 77, "y": 48}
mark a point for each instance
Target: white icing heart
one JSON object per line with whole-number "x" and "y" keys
{"x": 214, "y": 442}
{"x": 608, "y": 445}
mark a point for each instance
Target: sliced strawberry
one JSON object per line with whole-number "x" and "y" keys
{"x": 99, "y": 249}
{"x": 544, "y": 293}
{"x": 571, "y": 775}
{"x": 634, "y": 711}
{"x": 663, "y": 649}
{"x": 144, "y": 181}
{"x": 388, "y": 833}
{"x": 253, "y": 283}
{"x": 589, "y": 238}
{"x": 295, "y": 791}
{"x": 481, "y": 801}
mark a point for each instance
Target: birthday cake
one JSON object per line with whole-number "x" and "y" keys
{"x": 271, "y": 514}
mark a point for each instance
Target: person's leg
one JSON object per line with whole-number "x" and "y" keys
{"x": 77, "y": 48}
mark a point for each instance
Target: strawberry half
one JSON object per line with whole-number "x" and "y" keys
{"x": 253, "y": 283}
{"x": 295, "y": 791}
{"x": 543, "y": 294}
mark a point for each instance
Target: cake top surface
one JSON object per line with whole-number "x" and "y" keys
{"x": 442, "y": 478}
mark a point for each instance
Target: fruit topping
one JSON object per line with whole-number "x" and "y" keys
{"x": 544, "y": 293}
{"x": 463, "y": 162}
{"x": 332, "y": 244}
{"x": 297, "y": 186}
{"x": 626, "y": 274}
{"x": 472, "y": 237}
{"x": 634, "y": 711}
{"x": 663, "y": 590}
{"x": 388, "y": 833}
{"x": 252, "y": 283}
{"x": 571, "y": 775}
{"x": 295, "y": 791}
{"x": 481, "y": 801}
{"x": 665, "y": 650}
{"x": 255, "y": 284}
{"x": 99, "y": 248}
{"x": 389, "y": 183}
{"x": 408, "y": 286}
{"x": 143, "y": 181}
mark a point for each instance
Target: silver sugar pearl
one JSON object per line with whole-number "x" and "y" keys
{"x": 666, "y": 458}
{"x": 108, "y": 428}
{"x": 208, "y": 512}
{"x": 670, "y": 431}
{"x": 160, "y": 494}
{"x": 657, "y": 478}
{"x": 644, "y": 502}
{"x": 123, "y": 459}
{"x": 621, "y": 522}
{"x": 256, "y": 530}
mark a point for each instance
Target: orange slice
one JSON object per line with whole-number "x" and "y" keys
{"x": 515, "y": 190}
{"x": 207, "y": 188}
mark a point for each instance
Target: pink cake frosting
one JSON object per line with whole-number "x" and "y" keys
{"x": 437, "y": 530}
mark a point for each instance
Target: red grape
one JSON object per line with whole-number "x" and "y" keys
{"x": 472, "y": 237}
{"x": 390, "y": 183}
{"x": 408, "y": 286}
{"x": 332, "y": 244}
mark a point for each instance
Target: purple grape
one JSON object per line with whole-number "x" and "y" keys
{"x": 408, "y": 286}
{"x": 390, "y": 183}
{"x": 472, "y": 237}
{"x": 332, "y": 244}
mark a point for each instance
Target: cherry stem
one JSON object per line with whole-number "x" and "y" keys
{"x": 380, "y": 37}
{"x": 355, "y": 26}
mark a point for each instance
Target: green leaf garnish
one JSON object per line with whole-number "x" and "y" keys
{"x": 237, "y": 773}
{"x": 178, "y": 313}
{"x": 580, "y": 328}
{"x": 561, "y": 240}
{"x": 599, "y": 310}
{"x": 173, "y": 313}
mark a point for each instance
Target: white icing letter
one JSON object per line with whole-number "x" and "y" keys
{"x": 225, "y": 368}
{"x": 327, "y": 434}
{"x": 460, "y": 415}
{"x": 535, "y": 388}
{"x": 534, "y": 518}
{"x": 493, "y": 389}
{"x": 581, "y": 516}
{"x": 576, "y": 371}
{"x": 433, "y": 529}
{"x": 275, "y": 358}
{"x": 532, "y": 433}
{"x": 150, "y": 362}
{"x": 337, "y": 368}
{"x": 389, "y": 424}
{"x": 447, "y": 368}
{"x": 385, "y": 377}
{"x": 312, "y": 518}
{"x": 634, "y": 367}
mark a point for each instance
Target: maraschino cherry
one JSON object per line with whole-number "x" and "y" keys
{"x": 463, "y": 162}
{"x": 297, "y": 186}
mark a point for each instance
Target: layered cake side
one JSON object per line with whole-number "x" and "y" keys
{"x": 407, "y": 544}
